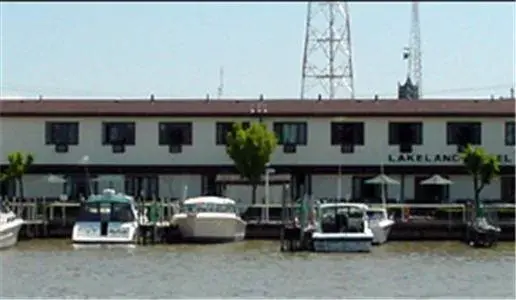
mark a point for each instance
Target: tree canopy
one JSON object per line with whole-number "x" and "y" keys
{"x": 19, "y": 163}
{"x": 251, "y": 150}
{"x": 483, "y": 167}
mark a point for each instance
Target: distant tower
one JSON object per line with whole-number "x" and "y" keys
{"x": 327, "y": 59}
{"x": 412, "y": 89}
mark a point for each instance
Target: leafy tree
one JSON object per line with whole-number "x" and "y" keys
{"x": 483, "y": 167}
{"x": 251, "y": 150}
{"x": 19, "y": 163}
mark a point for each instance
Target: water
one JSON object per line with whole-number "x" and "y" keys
{"x": 255, "y": 269}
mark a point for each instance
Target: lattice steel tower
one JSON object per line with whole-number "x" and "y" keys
{"x": 327, "y": 60}
{"x": 412, "y": 54}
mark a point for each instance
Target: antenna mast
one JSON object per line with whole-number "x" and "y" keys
{"x": 327, "y": 57}
{"x": 413, "y": 51}
{"x": 220, "y": 89}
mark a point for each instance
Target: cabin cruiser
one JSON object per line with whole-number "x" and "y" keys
{"x": 380, "y": 224}
{"x": 10, "y": 226}
{"x": 209, "y": 219}
{"x": 342, "y": 227}
{"x": 108, "y": 218}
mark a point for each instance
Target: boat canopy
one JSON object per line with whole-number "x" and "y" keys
{"x": 209, "y": 199}
{"x": 360, "y": 206}
{"x": 109, "y": 196}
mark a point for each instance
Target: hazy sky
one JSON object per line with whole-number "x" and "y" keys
{"x": 177, "y": 49}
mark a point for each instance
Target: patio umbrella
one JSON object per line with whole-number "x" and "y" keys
{"x": 55, "y": 179}
{"x": 436, "y": 180}
{"x": 382, "y": 180}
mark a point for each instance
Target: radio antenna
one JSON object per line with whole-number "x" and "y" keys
{"x": 220, "y": 90}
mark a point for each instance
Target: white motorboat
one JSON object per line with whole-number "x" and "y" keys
{"x": 210, "y": 219}
{"x": 380, "y": 224}
{"x": 10, "y": 226}
{"x": 342, "y": 227}
{"x": 108, "y": 218}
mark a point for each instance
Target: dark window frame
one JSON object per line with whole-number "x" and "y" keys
{"x": 134, "y": 185}
{"x": 165, "y": 129}
{"x": 396, "y": 129}
{"x": 69, "y": 133}
{"x": 222, "y": 129}
{"x": 453, "y": 127}
{"x": 126, "y": 129}
{"x": 509, "y": 135}
{"x": 356, "y": 128}
{"x": 301, "y": 137}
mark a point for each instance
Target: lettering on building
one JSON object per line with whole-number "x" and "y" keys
{"x": 436, "y": 158}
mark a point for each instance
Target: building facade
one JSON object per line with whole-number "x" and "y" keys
{"x": 326, "y": 148}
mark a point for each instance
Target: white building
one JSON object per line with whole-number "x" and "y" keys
{"x": 152, "y": 147}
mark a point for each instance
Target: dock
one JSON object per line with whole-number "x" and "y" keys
{"x": 45, "y": 219}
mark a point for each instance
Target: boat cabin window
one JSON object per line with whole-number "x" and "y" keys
{"x": 341, "y": 219}
{"x": 208, "y": 207}
{"x": 110, "y": 212}
{"x": 375, "y": 214}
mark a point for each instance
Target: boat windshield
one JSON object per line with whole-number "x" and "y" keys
{"x": 341, "y": 219}
{"x": 208, "y": 207}
{"x": 375, "y": 215}
{"x": 110, "y": 212}
{"x": 3, "y": 208}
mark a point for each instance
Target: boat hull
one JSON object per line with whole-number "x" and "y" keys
{"x": 117, "y": 233}
{"x": 381, "y": 231}
{"x": 210, "y": 227}
{"x": 9, "y": 233}
{"x": 343, "y": 242}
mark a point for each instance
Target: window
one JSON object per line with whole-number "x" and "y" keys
{"x": 463, "y": 133}
{"x": 62, "y": 133}
{"x": 146, "y": 187}
{"x": 80, "y": 186}
{"x": 175, "y": 134}
{"x": 509, "y": 133}
{"x": 347, "y": 133}
{"x": 222, "y": 130}
{"x": 405, "y": 133}
{"x": 8, "y": 188}
{"x": 507, "y": 188}
{"x": 118, "y": 133}
{"x": 292, "y": 133}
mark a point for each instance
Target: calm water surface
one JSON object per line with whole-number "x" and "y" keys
{"x": 255, "y": 269}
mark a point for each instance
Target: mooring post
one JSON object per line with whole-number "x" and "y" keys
{"x": 44, "y": 214}
{"x": 63, "y": 215}
{"x": 283, "y": 219}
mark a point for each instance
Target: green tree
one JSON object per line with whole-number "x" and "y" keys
{"x": 251, "y": 150}
{"x": 483, "y": 167}
{"x": 19, "y": 163}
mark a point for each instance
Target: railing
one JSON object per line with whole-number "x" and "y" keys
{"x": 446, "y": 213}
{"x": 38, "y": 210}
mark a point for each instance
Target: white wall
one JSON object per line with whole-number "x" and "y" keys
{"x": 29, "y": 135}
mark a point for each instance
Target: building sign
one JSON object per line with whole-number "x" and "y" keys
{"x": 436, "y": 158}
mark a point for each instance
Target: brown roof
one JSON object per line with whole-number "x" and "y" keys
{"x": 196, "y": 108}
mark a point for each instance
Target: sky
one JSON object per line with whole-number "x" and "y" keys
{"x": 176, "y": 50}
